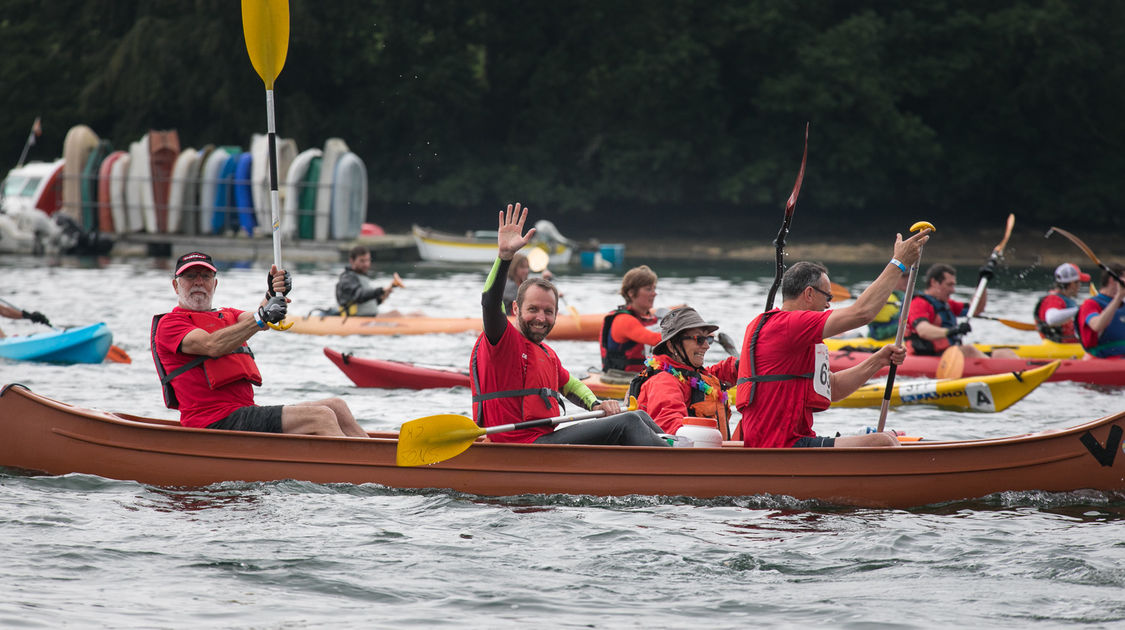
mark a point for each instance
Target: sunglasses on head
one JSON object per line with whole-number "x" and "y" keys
{"x": 701, "y": 339}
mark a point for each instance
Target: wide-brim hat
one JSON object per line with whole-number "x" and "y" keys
{"x": 677, "y": 321}
{"x": 194, "y": 259}
{"x": 1069, "y": 272}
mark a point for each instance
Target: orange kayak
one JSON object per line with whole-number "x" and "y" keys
{"x": 567, "y": 327}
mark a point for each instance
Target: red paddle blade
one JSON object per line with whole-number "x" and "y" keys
{"x": 791, "y": 204}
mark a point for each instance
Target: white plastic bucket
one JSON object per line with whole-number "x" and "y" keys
{"x": 704, "y": 432}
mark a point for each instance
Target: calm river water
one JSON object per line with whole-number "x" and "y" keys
{"x": 82, "y": 551}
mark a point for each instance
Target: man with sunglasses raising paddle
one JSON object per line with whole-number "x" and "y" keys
{"x": 783, "y": 374}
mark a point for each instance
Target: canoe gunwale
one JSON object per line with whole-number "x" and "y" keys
{"x": 59, "y": 438}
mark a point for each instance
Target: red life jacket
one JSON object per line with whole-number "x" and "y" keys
{"x": 629, "y": 355}
{"x": 219, "y": 371}
{"x": 816, "y": 401}
{"x": 540, "y": 398}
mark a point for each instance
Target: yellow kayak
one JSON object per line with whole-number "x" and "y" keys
{"x": 994, "y": 392}
{"x": 1045, "y": 350}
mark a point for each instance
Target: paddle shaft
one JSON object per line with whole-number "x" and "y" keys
{"x": 1089, "y": 252}
{"x": 275, "y": 216}
{"x": 779, "y": 242}
{"x": 543, "y": 422}
{"x": 995, "y": 256}
{"x": 902, "y": 317}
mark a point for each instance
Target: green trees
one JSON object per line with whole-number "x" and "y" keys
{"x": 963, "y": 109}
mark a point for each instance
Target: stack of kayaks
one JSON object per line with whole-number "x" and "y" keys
{"x": 157, "y": 187}
{"x": 85, "y": 344}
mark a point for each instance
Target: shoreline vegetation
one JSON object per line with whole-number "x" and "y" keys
{"x": 1023, "y": 249}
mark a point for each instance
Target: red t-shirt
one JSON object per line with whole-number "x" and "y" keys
{"x": 1090, "y": 308}
{"x": 780, "y": 412}
{"x": 1054, "y": 300}
{"x": 920, "y": 308}
{"x": 199, "y": 404}
{"x": 516, "y": 363}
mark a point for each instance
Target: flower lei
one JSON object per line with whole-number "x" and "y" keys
{"x": 694, "y": 381}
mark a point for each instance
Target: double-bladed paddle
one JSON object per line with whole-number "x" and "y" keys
{"x": 437, "y": 438}
{"x": 902, "y": 318}
{"x": 1089, "y": 252}
{"x": 951, "y": 366}
{"x": 265, "y": 24}
{"x": 115, "y": 354}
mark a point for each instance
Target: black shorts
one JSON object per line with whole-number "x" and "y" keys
{"x": 814, "y": 442}
{"x": 253, "y": 418}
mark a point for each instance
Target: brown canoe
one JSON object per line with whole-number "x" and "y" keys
{"x": 43, "y": 435}
{"x": 567, "y": 327}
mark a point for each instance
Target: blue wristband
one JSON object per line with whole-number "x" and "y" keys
{"x": 258, "y": 320}
{"x": 898, "y": 263}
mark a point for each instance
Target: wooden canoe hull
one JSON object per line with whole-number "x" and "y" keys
{"x": 1090, "y": 370}
{"x": 567, "y": 327}
{"x": 43, "y": 435}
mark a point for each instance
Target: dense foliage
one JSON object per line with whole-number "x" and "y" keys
{"x": 688, "y": 112}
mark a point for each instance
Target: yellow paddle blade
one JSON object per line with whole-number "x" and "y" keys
{"x": 435, "y": 439}
{"x": 952, "y": 363}
{"x": 265, "y": 24}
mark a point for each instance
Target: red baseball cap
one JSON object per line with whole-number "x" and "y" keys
{"x": 194, "y": 259}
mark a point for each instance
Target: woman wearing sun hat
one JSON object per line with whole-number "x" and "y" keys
{"x": 674, "y": 384}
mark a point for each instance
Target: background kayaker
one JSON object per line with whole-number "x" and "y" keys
{"x": 783, "y": 374}
{"x": 516, "y": 377}
{"x": 674, "y": 384}
{"x": 885, "y": 324}
{"x": 1054, "y": 312}
{"x": 628, "y": 328}
{"x": 216, "y": 391}
{"x": 1101, "y": 320}
{"x": 12, "y": 312}
{"x": 519, "y": 271}
{"x": 355, "y": 292}
{"x": 933, "y": 323}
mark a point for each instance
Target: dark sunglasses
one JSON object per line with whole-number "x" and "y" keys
{"x": 826, "y": 294}
{"x": 701, "y": 339}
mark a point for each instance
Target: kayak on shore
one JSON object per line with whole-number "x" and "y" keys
{"x": 46, "y": 436}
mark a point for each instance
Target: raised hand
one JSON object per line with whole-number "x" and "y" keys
{"x": 273, "y": 311}
{"x": 509, "y": 236}
{"x": 910, "y": 250}
{"x": 276, "y": 285}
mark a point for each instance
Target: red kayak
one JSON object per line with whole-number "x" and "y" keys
{"x": 396, "y": 374}
{"x": 1088, "y": 370}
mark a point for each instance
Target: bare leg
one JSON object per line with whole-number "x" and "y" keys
{"x": 341, "y": 414}
{"x": 870, "y": 439}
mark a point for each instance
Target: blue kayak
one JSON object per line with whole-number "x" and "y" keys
{"x": 86, "y": 344}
